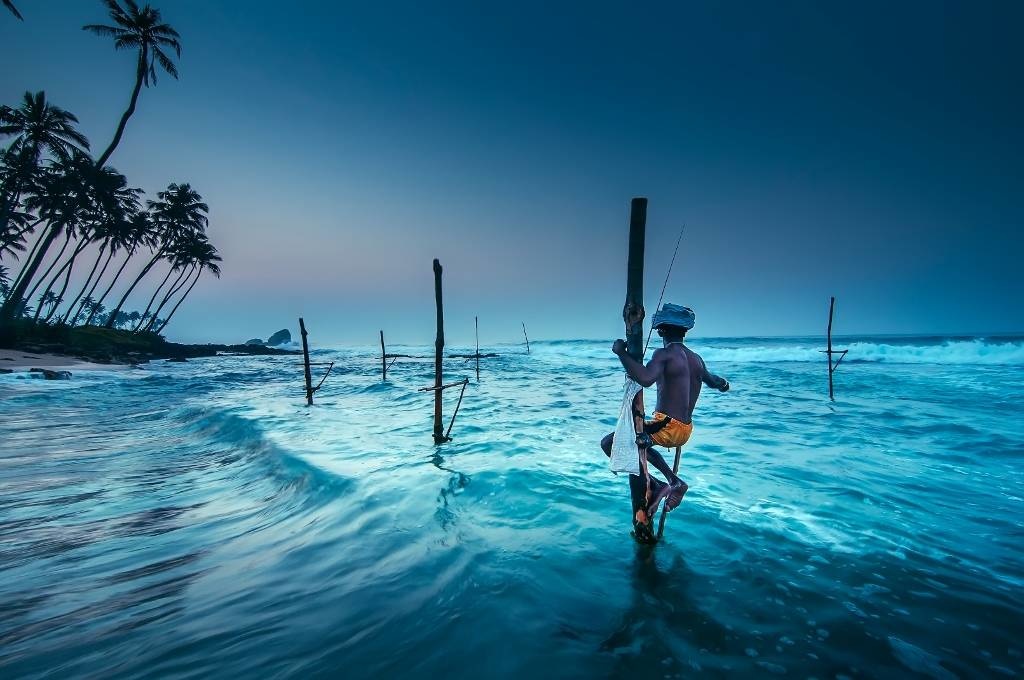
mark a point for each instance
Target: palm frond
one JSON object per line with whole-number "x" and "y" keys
{"x": 14, "y": 10}
{"x": 105, "y": 31}
{"x": 165, "y": 62}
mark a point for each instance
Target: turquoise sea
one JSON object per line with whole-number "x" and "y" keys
{"x": 197, "y": 520}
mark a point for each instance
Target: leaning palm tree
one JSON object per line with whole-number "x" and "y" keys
{"x": 14, "y": 10}
{"x": 187, "y": 258}
{"x": 58, "y": 201}
{"x": 5, "y": 283}
{"x": 139, "y": 231}
{"x": 140, "y": 29}
{"x": 110, "y": 199}
{"x": 207, "y": 260}
{"x": 38, "y": 127}
{"x": 179, "y": 213}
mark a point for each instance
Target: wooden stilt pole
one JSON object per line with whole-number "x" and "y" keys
{"x": 476, "y": 324}
{"x": 305, "y": 362}
{"x": 527, "y": 338}
{"x": 633, "y": 316}
{"x": 439, "y": 437}
{"x": 383, "y": 358}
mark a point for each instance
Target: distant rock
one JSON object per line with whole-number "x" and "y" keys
{"x": 52, "y": 375}
{"x": 254, "y": 341}
{"x": 279, "y": 338}
{"x": 6, "y": 370}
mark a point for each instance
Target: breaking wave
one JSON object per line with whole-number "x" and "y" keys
{"x": 950, "y": 352}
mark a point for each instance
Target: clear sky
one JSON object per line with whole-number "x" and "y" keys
{"x": 870, "y": 151}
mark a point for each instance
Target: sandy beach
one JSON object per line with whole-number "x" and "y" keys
{"x": 18, "y": 360}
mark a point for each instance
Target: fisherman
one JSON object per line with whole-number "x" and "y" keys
{"x": 679, "y": 372}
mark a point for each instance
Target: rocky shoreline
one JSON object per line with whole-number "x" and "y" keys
{"x": 108, "y": 346}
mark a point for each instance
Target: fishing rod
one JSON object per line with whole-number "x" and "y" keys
{"x": 665, "y": 285}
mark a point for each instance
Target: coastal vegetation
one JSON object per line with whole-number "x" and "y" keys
{"x": 77, "y": 240}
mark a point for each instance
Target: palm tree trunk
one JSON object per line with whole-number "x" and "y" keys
{"x": 12, "y": 305}
{"x": 32, "y": 251}
{"x": 31, "y": 254}
{"x": 153, "y": 299}
{"x": 67, "y": 280}
{"x": 128, "y": 113}
{"x": 124, "y": 298}
{"x": 120, "y": 270}
{"x": 81, "y": 307}
{"x": 64, "y": 267}
{"x": 49, "y": 269}
{"x": 179, "y": 282}
{"x": 88, "y": 280}
{"x": 182, "y": 299}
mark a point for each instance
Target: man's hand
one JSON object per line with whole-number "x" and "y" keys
{"x": 724, "y": 387}
{"x": 619, "y": 347}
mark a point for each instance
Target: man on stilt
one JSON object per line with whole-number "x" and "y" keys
{"x": 679, "y": 373}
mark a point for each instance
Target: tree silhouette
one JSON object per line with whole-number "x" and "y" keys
{"x": 140, "y": 29}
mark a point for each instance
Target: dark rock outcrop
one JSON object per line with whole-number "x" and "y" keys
{"x": 254, "y": 341}
{"x": 280, "y": 337}
{"x": 52, "y": 375}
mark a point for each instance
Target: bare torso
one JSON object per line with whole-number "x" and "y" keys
{"x": 680, "y": 381}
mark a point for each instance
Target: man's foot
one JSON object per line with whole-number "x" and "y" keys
{"x": 675, "y": 495}
{"x": 659, "y": 490}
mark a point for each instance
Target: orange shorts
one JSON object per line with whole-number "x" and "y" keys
{"x": 668, "y": 434}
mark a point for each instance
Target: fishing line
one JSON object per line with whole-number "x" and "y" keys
{"x": 665, "y": 285}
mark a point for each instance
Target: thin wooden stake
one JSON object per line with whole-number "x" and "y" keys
{"x": 383, "y": 358}
{"x": 527, "y": 338}
{"x": 476, "y": 323}
{"x": 675, "y": 471}
{"x": 831, "y": 309}
{"x": 829, "y": 352}
{"x": 439, "y": 436}
{"x": 305, "y": 362}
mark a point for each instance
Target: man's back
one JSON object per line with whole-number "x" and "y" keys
{"x": 680, "y": 383}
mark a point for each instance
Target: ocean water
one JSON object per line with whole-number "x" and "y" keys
{"x": 198, "y": 520}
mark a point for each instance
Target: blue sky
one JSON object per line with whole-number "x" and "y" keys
{"x": 867, "y": 151}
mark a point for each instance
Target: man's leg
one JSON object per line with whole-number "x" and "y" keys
{"x": 678, "y": 488}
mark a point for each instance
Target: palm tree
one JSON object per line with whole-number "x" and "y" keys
{"x": 139, "y": 231}
{"x": 58, "y": 201}
{"x": 37, "y": 127}
{"x": 177, "y": 257}
{"x": 110, "y": 200}
{"x": 47, "y": 299}
{"x": 179, "y": 213}
{"x": 5, "y": 282}
{"x": 206, "y": 260}
{"x": 14, "y": 10}
{"x": 140, "y": 29}
{"x": 186, "y": 259}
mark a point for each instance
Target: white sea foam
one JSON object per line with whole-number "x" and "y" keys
{"x": 949, "y": 352}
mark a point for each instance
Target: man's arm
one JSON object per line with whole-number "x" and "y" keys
{"x": 711, "y": 380}
{"x": 645, "y": 375}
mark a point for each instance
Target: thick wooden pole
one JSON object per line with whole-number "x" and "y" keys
{"x": 383, "y": 358}
{"x": 305, "y": 362}
{"x": 527, "y": 338}
{"x": 831, "y": 309}
{"x": 439, "y": 437}
{"x": 633, "y": 316}
{"x": 476, "y": 324}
